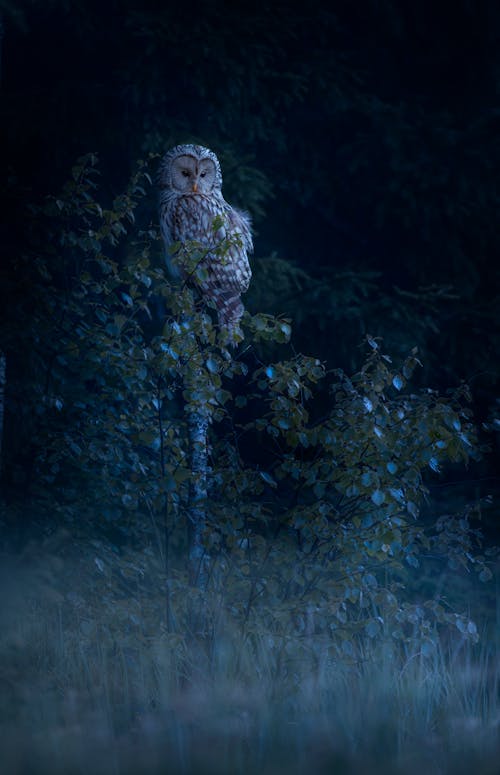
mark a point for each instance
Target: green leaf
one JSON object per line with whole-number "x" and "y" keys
{"x": 412, "y": 509}
{"x": 433, "y": 463}
{"x": 268, "y": 478}
{"x": 398, "y": 382}
{"x": 378, "y": 497}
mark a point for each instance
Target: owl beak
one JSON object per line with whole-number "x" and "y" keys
{"x": 195, "y": 187}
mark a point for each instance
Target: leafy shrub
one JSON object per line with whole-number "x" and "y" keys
{"x": 314, "y": 521}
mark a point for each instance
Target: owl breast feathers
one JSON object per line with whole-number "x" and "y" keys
{"x": 192, "y": 208}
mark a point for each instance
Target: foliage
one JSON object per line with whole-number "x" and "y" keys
{"x": 365, "y": 147}
{"x": 314, "y": 522}
{"x": 92, "y": 681}
{"x": 376, "y": 173}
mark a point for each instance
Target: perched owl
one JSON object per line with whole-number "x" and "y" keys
{"x": 191, "y": 199}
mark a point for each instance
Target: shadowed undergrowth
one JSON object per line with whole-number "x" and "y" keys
{"x": 85, "y": 691}
{"x": 316, "y": 645}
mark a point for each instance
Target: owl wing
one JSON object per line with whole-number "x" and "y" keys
{"x": 240, "y": 223}
{"x": 233, "y": 271}
{"x": 192, "y": 218}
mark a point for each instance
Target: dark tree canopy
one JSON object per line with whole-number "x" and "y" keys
{"x": 312, "y": 503}
{"x": 364, "y": 144}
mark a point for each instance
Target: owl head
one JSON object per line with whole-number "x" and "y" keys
{"x": 190, "y": 169}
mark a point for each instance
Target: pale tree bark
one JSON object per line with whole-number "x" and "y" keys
{"x": 198, "y": 421}
{"x": 199, "y": 561}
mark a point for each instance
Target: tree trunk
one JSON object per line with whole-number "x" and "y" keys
{"x": 197, "y": 507}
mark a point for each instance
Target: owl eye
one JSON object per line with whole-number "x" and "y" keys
{"x": 185, "y": 173}
{"x": 202, "y": 174}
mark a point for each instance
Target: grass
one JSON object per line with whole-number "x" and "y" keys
{"x": 92, "y": 682}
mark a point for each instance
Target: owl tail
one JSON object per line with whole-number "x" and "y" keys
{"x": 230, "y": 310}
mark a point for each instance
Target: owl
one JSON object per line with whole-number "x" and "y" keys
{"x": 192, "y": 208}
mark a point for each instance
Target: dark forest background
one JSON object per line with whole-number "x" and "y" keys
{"x": 363, "y": 139}
{"x": 283, "y": 557}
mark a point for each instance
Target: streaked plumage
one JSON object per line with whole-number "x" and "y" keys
{"x": 191, "y": 199}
